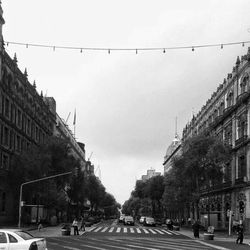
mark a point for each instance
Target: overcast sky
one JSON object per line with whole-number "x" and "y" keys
{"x": 126, "y": 103}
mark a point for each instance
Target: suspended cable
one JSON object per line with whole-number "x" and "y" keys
{"x": 164, "y": 49}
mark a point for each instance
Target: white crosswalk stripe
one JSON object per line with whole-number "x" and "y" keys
{"x": 152, "y": 231}
{"x": 104, "y": 229}
{"x": 132, "y": 230}
{"x": 159, "y": 231}
{"x": 99, "y": 228}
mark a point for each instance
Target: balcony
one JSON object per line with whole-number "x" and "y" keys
{"x": 241, "y": 141}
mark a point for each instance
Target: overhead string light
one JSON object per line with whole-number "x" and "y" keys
{"x": 193, "y": 47}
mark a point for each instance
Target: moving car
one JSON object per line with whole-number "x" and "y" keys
{"x": 16, "y": 239}
{"x": 149, "y": 221}
{"x": 129, "y": 220}
{"x": 121, "y": 218}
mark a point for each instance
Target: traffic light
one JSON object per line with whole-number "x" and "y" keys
{"x": 241, "y": 207}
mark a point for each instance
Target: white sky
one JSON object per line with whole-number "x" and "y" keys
{"x": 126, "y": 104}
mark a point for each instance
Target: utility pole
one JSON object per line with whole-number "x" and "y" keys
{"x": 29, "y": 182}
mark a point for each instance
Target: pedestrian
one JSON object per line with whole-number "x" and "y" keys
{"x": 240, "y": 232}
{"x": 82, "y": 224}
{"x": 40, "y": 225}
{"x": 196, "y": 229}
{"x": 75, "y": 226}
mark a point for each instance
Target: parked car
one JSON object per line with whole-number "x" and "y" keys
{"x": 15, "y": 239}
{"x": 142, "y": 219}
{"x": 149, "y": 221}
{"x": 129, "y": 220}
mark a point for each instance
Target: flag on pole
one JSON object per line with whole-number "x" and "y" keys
{"x": 74, "y": 122}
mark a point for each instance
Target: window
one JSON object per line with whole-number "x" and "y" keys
{"x": 3, "y": 238}
{"x": 5, "y": 161}
{"x": 242, "y": 125}
{"x": 7, "y": 108}
{"x": 228, "y": 134}
{"x": 12, "y": 239}
{"x": 6, "y": 136}
{"x": 19, "y": 118}
{"x": 244, "y": 84}
{"x": 230, "y": 99}
{"x": 241, "y": 166}
{"x": 18, "y": 143}
{"x": 28, "y": 127}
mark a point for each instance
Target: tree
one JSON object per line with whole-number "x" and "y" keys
{"x": 202, "y": 162}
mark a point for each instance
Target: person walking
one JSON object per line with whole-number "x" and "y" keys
{"x": 240, "y": 232}
{"x": 75, "y": 226}
{"x": 82, "y": 224}
{"x": 196, "y": 229}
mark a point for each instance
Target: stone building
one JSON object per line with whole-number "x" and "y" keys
{"x": 25, "y": 119}
{"x": 227, "y": 114}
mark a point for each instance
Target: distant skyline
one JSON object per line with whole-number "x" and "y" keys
{"x": 126, "y": 103}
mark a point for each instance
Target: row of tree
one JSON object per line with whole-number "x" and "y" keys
{"x": 71, "y": 194}
{"x": 200, "y": 167}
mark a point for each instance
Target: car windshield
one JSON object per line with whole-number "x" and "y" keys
{"x": 24, "y": 235}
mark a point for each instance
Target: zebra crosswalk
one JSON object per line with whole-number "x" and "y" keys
{"x": 131, "y": 230}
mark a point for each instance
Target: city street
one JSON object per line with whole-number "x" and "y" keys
{"x": 112, "y": 235}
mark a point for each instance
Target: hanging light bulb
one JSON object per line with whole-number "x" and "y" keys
{"x": 243, "y": 44}
{"x": 221, "y": 46}
{"x": 109, "y": 51}
{"x": 54, "y": 48}
{"x": 164, "y": 51}
{"x": 27, "y": 46}
{"x": 81, "y": 51}
{"x": 192, "y": 48}
{"x": 7, "y": 44}
{"x": 136, "y": 51}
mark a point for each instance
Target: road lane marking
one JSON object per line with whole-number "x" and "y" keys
{"x": 125, "y": 230}
{"x": 138, "y": 230}
{"x": 104, "y": 229}
{"x": 91, "y": 229}
{"x": 132, "y": 230}
{"x": 167, "y": 232}
{"x": 111, "y": 229}
{"x": 99, "y": 228}
{"x": 159, "y": 231}
{"x": 146, "y": 232}
{"x": 152, "y": 231}
{"x": 118, "y": 230}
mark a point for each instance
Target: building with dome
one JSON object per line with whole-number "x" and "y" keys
{"x": 173, "y": 150}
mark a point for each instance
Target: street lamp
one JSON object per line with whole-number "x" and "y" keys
{"x": 29, "y": 182}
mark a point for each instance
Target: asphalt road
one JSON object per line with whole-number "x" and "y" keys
{"x": 109, "y": 236}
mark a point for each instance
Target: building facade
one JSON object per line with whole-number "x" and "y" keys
{"x": 25, "y": 119}
{"x": 227, "y": 115}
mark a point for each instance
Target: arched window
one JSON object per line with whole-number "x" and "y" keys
{"x": 244, "y": 85}
{"x": 230, "y": 99}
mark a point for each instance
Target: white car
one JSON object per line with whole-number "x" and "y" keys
{"x": 15, "y": 239}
